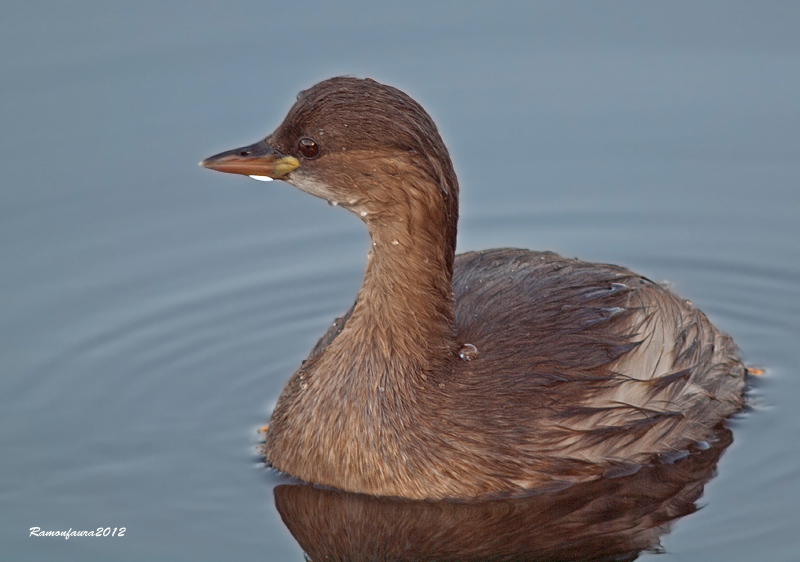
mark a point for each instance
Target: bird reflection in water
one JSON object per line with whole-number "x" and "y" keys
{"x": 608, "y": 519}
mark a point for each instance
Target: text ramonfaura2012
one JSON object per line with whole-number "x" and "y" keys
{"x": 99, "y": 532}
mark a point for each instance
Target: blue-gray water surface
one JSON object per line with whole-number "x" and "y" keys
{"x": 153, "y": 310}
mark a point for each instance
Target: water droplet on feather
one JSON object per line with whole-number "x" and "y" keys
{"x": 468, "y": 352}
{"x": 612, "y": 289}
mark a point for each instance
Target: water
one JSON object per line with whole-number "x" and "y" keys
{"x": 152, "y": 310}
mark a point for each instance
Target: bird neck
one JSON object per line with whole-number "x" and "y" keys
{"x": 405, "y": 307}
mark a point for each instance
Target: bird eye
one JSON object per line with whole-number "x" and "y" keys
{"x": 308, "y": 147}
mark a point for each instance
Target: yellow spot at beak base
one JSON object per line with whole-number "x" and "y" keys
{"x": 284, "y": 165}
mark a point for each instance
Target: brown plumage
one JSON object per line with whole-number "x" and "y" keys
{"x": 609, "y": 519}
{"x": 581, "y": 370}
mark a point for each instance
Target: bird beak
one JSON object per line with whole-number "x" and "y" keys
{"x": 259, "y": 159}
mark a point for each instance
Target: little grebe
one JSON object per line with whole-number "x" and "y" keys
{"x": 485, "y": 373}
